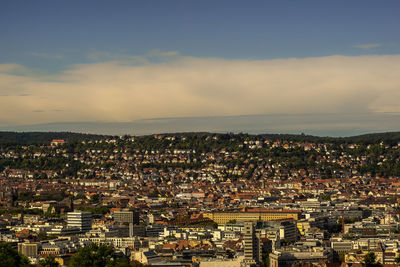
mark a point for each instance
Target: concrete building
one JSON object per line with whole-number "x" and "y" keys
{"x": 80, "y": 219}
{"x": 287, "y": 229}
{"x": 127, "y": 217}
{"x": 252, "y": 245}
{"x": 342, "y": 246}
{"x": 287, "y": 256}
{"x": 253, "y": 214}
{"x": 29, "y": 249}
{"x": 62, "y": 230}
{"x": 236, "y": 262}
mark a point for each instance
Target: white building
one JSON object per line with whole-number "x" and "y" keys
{"x": 80, "y": 219}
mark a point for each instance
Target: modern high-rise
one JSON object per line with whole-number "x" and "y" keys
{"x": 127, "y": 216}
{"x": 252, "y": 245}
{"x": 80, "y": 219}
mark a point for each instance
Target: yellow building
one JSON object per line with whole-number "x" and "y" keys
{"x": 248, "y": 214}
{"x": 303, "y": 226}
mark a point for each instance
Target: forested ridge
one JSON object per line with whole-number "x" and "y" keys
{"x": 237, "y": 155}
{"x": 25, "y": 138}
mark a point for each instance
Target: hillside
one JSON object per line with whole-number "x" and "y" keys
{"x": 43, "y": 137}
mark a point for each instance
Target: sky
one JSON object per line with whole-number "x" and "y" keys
{"x": 142, "y": 67}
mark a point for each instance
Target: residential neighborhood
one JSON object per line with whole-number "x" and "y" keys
{"x": 204, "y": 200}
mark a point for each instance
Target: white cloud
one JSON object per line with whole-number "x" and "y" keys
{"x": 367, "y": 46}
{"x": 189, "y": 86}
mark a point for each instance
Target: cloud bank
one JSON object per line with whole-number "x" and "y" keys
{"x": 117, "y": 91}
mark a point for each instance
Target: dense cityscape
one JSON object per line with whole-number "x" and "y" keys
{"x": 199, "y": 133}
{"x": 200, "y": 199}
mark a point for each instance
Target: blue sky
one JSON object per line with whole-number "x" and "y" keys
{"x": 227, "y": 29}
{"x": 76, "y": 42}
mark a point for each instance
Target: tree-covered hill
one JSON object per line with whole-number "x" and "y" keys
{"x": 319, "y": 156}
{"x": 26, "y": 138}
{"x": 390, "y": 138}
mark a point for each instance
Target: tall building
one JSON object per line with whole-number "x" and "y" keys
{"x": 80, "y": 219}
{"x": 127, "y": 216}
{"x": 287, "y": 229}
{"x": 252, "y": 245}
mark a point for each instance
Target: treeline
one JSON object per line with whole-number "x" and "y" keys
{"x": 389, "y": 138}
{"x": 30, "y": 138}
{"x": 88, "y": 256}
{"x": 26, "y": 138}
{"x": 42, "y": 164}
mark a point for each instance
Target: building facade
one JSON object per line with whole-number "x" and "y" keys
{"x": 252, "y": 245}
{"x": 252, "y": 215}
{"x": 80, "y": 219}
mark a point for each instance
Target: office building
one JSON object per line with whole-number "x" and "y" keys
{"x": 128, "y": 217}
{"x": 252, "y": 214}
{"x": 80, "y": 219}
{"x": 252, "y": 245}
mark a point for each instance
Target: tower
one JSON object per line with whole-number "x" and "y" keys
{"x": 127, "y": 216}
{"x": 252, "y": 245}
{"x": 80, "y": 219}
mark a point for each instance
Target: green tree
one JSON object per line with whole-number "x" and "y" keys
{"x": 398, "y": 259}
{"x": 95, "y": 198}
{"x": 9, "y": 256}
{"x": 50, "y": 261}
{"x": 265, "y": 260}
{"x": 97, "y": 255}
{"x": 370, "y": 260}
